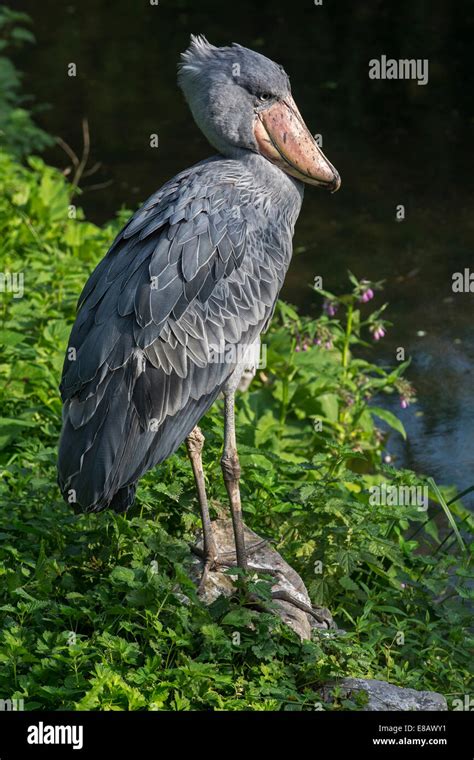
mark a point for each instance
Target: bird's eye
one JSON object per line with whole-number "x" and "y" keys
{"x": 264, "y": 96}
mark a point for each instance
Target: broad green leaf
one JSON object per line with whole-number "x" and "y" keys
{"x": 389, "y": 418}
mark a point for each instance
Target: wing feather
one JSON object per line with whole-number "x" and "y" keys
{"x": 187, "y": 276}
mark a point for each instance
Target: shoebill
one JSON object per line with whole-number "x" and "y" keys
{"x": 173, "y": 313}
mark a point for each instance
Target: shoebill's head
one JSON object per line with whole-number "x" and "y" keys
{"x": 242, "y": 101}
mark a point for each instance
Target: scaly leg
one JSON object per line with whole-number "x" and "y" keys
{"x": 231, "y": 472}
{"x": 195, "y": 444}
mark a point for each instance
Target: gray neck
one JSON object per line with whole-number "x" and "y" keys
{"x": 277, "y": 188}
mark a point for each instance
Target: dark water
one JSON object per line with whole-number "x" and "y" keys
{"x": 394, "y": 142}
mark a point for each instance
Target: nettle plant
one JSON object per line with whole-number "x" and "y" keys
{"x": 346, "y": 325}
{"x": 136, "y": 645}
{"x": 319, "y": 379}
{"x": 311, "y": 450}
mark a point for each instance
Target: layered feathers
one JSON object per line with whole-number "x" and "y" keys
{"x": 194, "y": 272}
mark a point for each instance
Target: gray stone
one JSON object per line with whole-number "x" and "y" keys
{"x": 385, "y": 696}
{"x": 295, "y": 609}
{"x": 288, "y": 589}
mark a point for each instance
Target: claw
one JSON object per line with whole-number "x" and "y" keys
{"x": 285, "y": 596}
{"x": 231, "y": 554}
{"x": 220, "y": 560}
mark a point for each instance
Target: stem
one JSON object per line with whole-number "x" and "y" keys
{"x": 285, "y": 389}
{"x": 347, "y": 337}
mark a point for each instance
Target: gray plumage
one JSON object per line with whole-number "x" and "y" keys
{"x": 199, "y": 266}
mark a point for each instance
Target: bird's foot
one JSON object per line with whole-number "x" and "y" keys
{"x": 225, "y": 558}
{"x": 319, "y": 614}
{"x": 279, "y": 594}
{"x": 220, "y": 560}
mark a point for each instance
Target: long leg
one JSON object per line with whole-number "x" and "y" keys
{"x": 231, "y": 472}
{"x": 195, "y": 444}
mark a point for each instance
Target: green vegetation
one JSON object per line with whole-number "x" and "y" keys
{"x": 18, "y": 132}
{"x": 98, "y": 612}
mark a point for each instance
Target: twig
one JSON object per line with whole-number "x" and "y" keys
{"x": 67, "y": 149}
{"x": 79, "y": 164}
{"x": 85, "y": 153}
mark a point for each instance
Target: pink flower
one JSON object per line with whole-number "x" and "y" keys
{"x": 379, "y": 332}
{"x": 367, "y": 295}
{"x": 330, "y": 307}
{"x": 404, "y": 403}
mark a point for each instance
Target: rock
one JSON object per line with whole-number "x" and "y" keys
{"x": 385, "y": 696}
{"x": 288, "y": 589}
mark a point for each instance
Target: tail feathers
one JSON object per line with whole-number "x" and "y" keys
{"x": 119, "y": 451}
{"x": 124, "y": 498}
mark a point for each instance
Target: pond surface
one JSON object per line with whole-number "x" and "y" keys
{"x": 393, "y": 142}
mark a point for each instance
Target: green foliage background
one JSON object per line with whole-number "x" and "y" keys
{"x": 98, "y": 612}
